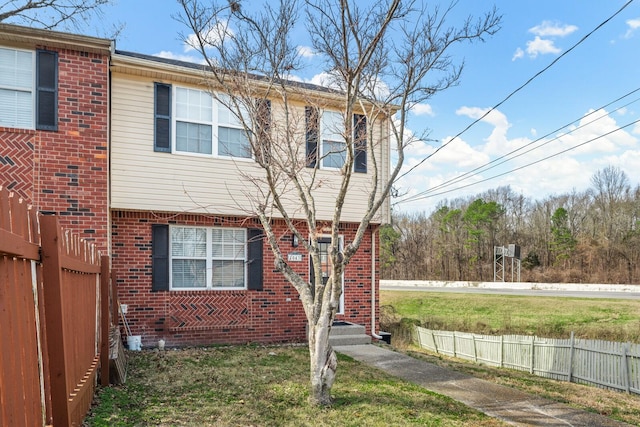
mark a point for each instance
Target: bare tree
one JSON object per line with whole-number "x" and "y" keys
{"x": 49, "y": 14}
{"x": 382, "y": 58}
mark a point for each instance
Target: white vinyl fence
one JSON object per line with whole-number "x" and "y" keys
{"x": 602, "y": 363}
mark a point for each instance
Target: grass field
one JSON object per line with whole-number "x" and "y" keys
{"x": 613, "y": 320}
{"x": 268, "y": 386}
{"x": 265, "y": 386}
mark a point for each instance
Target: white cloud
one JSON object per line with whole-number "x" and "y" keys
{"x": 519, "y": 53}
{"x": 458, "y": 154}
{"x": 306, "y": 52}
{"x": 543, "y": 42}
{"x": 423, "y": 110}
{"x": 597, "y": 132}
{"x": 553, "y": 29}
{"x": 212, "y": 37}
{"x": 325, "y": 80}
{"x": 540, "y": 46}
{"x": 633, "y": 25}
{"x": 539, "y": 176}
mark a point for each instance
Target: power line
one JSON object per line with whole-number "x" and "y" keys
{"x": 518, "y": 89}
{"x": 485, "y": 167}
{"x": 524, "y": 166}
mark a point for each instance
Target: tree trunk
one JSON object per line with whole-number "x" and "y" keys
{"x": 323, "y": 365}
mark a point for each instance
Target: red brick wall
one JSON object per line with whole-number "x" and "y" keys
{"x": 66, "y": 171}
{"x": 273, "y": 314}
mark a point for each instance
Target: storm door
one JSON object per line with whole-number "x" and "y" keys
{"x": 323, "y": 246}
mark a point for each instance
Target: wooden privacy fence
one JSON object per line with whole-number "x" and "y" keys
{"x": 51, "y": 319}
{"x": 601, "y": 363}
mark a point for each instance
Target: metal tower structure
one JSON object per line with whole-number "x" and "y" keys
{"x": 499, "y": 254}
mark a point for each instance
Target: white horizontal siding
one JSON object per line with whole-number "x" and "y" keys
{"x": 142, "y": 179}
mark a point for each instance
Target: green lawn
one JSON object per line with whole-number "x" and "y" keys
{"x": 265, "y": 386}
{"x": 268, "y": 386}
{"x": 614, "y": 320}
{"x": 606, "y": 319}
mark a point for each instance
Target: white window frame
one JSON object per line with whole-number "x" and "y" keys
{"x": 201, "y": 119}
{"x": 21, "y": 89}
{"x": 332, "y": 131}
{"x": 209, "y": 258}
{"x": 215, "y": 120}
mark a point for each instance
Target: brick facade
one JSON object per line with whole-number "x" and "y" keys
{"x": 273, "y": 314}
{"x": 66, "y": 171}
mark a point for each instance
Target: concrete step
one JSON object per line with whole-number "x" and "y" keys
{"x": 346, "y": 333}
{"x": 344, "y": 328}
{"x": 338, "y": 340}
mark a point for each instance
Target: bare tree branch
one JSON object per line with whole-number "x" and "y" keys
{"x": 49, "y": 14}
{"x": 383, "y": 59}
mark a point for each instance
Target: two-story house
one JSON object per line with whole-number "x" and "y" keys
{"x": 134, "y": 152}
{"x": 54, "y": 96}
{"x": 181, "y": 201}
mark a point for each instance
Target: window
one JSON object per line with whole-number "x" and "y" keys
{"x": 194, "y": 121}
{"x": 326, "y": 129}
{"x": 205, "y": 258}
{"x": 202, "y": 124}
{"x": 28, "y": 89}
{"x": 332, "y": 136}
{"x": 222, "y": 249}
{"x": 232, "y": 138}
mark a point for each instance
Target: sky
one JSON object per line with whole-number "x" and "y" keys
{"x": 566, "y": 113}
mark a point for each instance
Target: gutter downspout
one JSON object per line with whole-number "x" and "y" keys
{"x": 373, "y": 284}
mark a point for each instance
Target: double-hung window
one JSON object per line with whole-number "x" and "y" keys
{"x": 332, "y": 137}
{"x": 194, "y": 121}
{"x": 16, "y": 88}
{"x": 208, "y": 258}
{"x": 232, "y": 138}
{"x": 325, "y": 139}
{"x": 28, "y": 89}
{"x": 202, "y": 124}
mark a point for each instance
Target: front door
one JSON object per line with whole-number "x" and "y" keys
{"x": 323, "y": 246}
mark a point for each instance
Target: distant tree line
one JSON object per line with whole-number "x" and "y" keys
{"x": 581, "y": 237}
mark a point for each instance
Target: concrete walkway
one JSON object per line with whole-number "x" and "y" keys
{"x": 505, "y": 403}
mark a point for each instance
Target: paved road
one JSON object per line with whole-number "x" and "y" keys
{"x": 522, "y": 292}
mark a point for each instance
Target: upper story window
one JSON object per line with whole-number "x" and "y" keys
{"x": 325, "y": 139}
{"x": 28, "y": 89}
{"x": 333, "y": 152}
{"x": 200, "y": 124}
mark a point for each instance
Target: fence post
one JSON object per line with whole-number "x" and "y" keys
{"x": 454, "y": 344}
{"x": 105, "y": 322}
{"x": 533, "y": 348}
{"x": 501, "y": 351}
{"x": 475, "y": 352}
{"x": 435, "y": 343}
{"x": 51, "y": 251}
{"x": 571, "y": 352}
{"x": 625, "y": 368}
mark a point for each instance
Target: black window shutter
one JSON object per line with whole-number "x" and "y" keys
{"x": 254, "y": 254}
{"x": 312, "y": 122}
{"x": 162, "y": 140}
{"x": 159, "y": 257}
{"x": 46, "y": 90}
{"x": 263, "y": 153}
{"x": 360, "y": 143}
